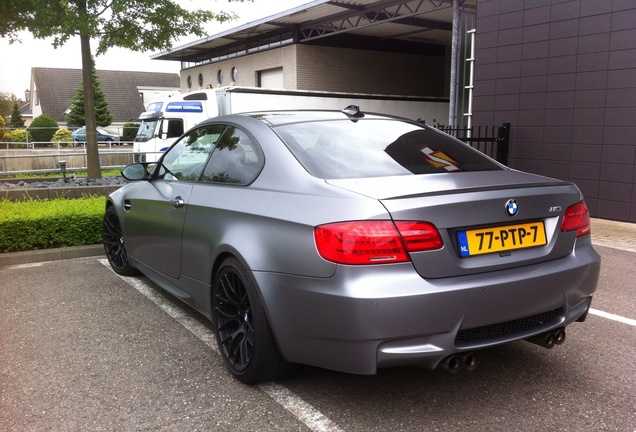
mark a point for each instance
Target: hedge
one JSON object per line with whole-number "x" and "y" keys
{"x": 34, "y": 225}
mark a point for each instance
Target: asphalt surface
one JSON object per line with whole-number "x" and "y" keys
{"x": 82, "y": 349}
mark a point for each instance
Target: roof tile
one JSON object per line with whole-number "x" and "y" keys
{"x": 56, "y": 88}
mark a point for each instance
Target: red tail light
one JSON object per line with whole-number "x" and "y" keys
{"x": 374, "y": 242}
{"x": 577, "y": 217}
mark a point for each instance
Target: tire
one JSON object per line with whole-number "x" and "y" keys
{"x": 114, "y": 246}
{"x": 242, "y": 331}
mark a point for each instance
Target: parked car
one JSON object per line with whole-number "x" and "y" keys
{"x": 79, "y": 135}
{"x": 353, "y": 242}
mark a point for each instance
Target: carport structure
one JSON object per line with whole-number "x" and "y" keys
{"x": 420, "y": 29}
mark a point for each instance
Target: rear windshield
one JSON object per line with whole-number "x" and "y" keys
{"x": 342, "y": 149}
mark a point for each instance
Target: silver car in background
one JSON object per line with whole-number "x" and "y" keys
{"x": 353, "y": 242}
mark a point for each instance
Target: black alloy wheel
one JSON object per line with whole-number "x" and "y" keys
{"x": 243, "y": 334}
{"x": 114, "y": 246}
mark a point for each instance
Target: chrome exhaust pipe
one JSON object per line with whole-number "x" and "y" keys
{"x": 455, "y": 362}
{"x": 470, "y": 362}
{"x": 549, "y": 339}
{"x": 452, "y": 364}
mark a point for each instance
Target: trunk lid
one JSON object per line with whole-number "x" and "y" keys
{"x": 474, "y": 205}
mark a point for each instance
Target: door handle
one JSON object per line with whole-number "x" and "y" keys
{"x": 177, "y": 202}
{"x": 127, "y": 205}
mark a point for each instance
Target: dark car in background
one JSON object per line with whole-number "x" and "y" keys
{"x": 353, "y": 242}
{"x": 79, "y": 135}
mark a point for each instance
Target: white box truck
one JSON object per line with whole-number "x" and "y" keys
{"x": 167, "y": 119}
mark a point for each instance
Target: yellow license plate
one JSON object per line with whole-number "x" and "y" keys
{"x": 499, "y": 239}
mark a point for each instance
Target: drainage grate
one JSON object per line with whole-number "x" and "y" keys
{"x": 495, "y": 331}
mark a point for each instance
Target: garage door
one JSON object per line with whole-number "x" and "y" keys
{"x": 271, "y": 78}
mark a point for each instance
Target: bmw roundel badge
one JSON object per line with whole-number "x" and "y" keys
{"x": 511, "y": 208}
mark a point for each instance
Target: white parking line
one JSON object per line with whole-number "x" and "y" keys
{"x": 613, "y": 317}
{"x": 303, "y": 411}
{"x": 307, "y": 414}
{"x": 300, "y": 409}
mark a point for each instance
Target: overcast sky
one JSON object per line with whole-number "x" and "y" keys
{"x": 19, "y": 58}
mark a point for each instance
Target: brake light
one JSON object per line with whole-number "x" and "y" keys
{"x": 374, "y": 242}
{"x": 577, "y": 217}
{"x": 419, "y": 236}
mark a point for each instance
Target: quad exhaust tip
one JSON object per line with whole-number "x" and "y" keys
{"x": 456, "y": 362}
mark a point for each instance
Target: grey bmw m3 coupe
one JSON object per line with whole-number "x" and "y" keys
{"x": 353, "y": 242}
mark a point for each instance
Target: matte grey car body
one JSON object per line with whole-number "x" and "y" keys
{"x": 199, "y": 219}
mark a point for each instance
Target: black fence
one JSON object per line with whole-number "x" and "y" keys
{"x": 490, "y": 140}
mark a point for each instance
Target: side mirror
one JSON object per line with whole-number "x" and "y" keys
{"x": 135, "y": 172}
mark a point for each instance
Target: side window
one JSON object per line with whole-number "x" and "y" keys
{"x": 173, "y": 128}
{"x": 236, "y": 159}
{"x": 186, "y": 159}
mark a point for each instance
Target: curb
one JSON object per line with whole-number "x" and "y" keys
{"x": 28, "y": 257}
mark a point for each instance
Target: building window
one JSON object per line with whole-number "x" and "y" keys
{"x": 189, "y": 82}
{"x": 219, "y": 76}
{"x": 200, "y": 80}
{"x": 234, "y": 74}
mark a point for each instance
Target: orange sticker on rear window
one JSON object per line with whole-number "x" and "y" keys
{"x": 440, "y": 159}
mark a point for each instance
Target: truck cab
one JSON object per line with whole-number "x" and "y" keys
{"x": 164, "y": 122}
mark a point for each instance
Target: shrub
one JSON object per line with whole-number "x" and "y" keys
{"x": 33, "y": 225}
{"x": 20, "y": 136}
{"x": 43, "y": 128}
{"x": 62, "y": 136}
{"x": 130, "y": 131}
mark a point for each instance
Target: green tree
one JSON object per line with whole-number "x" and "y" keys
{"x": 6, "y": 99}
{"x": 102, "y": 115}
{"x": 42, "y": 128}
{"x": 16, "y": 118}
{"x": 139, "y": 25}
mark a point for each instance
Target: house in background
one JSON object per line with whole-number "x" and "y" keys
{"x": 52, "y": 90}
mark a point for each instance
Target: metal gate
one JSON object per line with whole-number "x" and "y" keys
{"x": 490, "y": 140}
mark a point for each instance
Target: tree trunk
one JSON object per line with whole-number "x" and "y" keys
{"x": 92, "y": 152}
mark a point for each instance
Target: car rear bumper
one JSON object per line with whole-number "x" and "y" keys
{"x": 364, "y": 318}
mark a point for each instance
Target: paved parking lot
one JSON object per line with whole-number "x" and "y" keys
{"x": 84, "y": 349}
